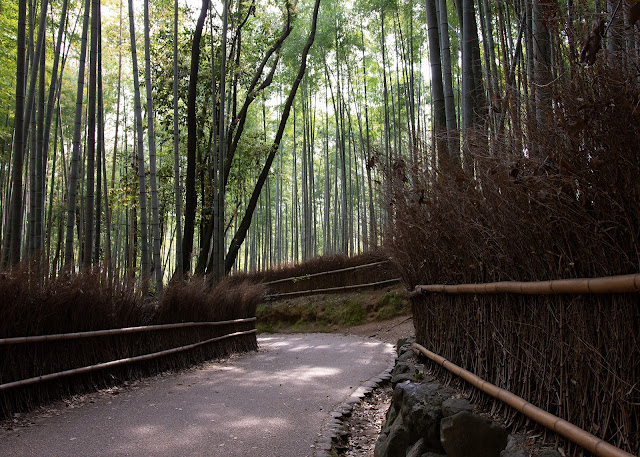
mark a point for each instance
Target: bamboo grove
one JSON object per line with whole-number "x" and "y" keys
{"x": 157, "y": 138}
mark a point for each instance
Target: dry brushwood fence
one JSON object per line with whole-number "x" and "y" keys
{"x": 328, "y": 272}
{"x": 568, "y": 208}
{"x": 89, "y": 303}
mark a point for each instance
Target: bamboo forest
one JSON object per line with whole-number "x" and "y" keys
{"x": 186, "y": 180}
{"x": 155, "y": 138}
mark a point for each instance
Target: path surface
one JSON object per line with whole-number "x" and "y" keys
{"x": 271, "y": 403}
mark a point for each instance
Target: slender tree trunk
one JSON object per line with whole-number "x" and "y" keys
{"x": 144, "y": 246}
{"x": 373, "y": 230}
{"x": 449, "y": 101}
{"x": 295, "y": 234}
{"x": 49, "y": 220}
{"x": 31, "y": 188}
{"x": 103, "y": 169}
{"x": 542, "y": 61}
{"x": 387, "y": 126}
{"x": 91, "y": 138}
{"x": 77, "y": 133}
{"x": 192, "y": 144}
{"x": 176, "y": 147}
{"x": 157, "y": 260}
{"x": 219, "y": 268}
{"x": 437, "y": 87}
{"x": 41, "y": 162}
{"x": 117, "y": 125}
{"x": 242, "y": 229}
{"x": 12, "y": 238}
{"x": 326, "y": 229}
{"x": 529, "y": 87}
{"x": 468, "y": 13}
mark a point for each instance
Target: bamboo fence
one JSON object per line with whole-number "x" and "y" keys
{"x": 117, "y": 331}
{"x": 569, "y": 346}
{"x": 605, "y": 285}
{"x": 564, "y": 428}
{"x": 313, "y": 275}
{"x": 332, "y": 289}
{"x": 114, "y": 363}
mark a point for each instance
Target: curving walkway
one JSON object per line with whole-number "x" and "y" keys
{"x": 271, "y": 403}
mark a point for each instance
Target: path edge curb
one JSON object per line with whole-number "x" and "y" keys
{"x": 334, "y": 428}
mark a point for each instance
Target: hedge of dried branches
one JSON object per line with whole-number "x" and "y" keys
{"x": 563, "y": 204}
{"x": 301, "y": 282}
{"x": 87, "y": 302}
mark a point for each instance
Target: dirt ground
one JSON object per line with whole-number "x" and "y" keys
{"x": 388, "y": 331}
{"x": 368, "y": 417}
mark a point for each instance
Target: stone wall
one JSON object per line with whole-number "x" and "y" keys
{"x": 427, "y": 419}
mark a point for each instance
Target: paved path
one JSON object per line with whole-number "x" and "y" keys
{"x": 271, "y": 403}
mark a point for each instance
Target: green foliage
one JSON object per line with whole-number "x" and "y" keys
{"x": 301, "y": 315}
{"x": 8, "y": 34}
{"x": 349, "y": 313}
{"x": 392, "y": 304}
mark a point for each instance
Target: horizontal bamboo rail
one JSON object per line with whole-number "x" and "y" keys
{"x": 113, "y": 363}
{"x": 606, "y": 285}
{"x": 332, "y": 289}
{"x": 303, "y": 277}
{"x": 116, "y": 331}
{"x": 562, "y": 427}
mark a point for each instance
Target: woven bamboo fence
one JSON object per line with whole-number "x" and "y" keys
{"x": 562, "y": 427}
{"x": 330, "y": 272}
{"x": 34, "y": 369}
{"x": 576, "y": 356}
{"x": 76, "y": 333}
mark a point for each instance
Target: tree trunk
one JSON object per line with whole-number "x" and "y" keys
{"x": 437, "y": 87}
{"x": 242, "y": 229}
{"x": 449, "y": 101}
{"x": 75, "y": 153}
{"x": 157, "y": 260}
{"x": 144, "y": 245}
{"x": 468, "y": 85}
{"x": 91, "y": 138}
{"x": 12, "y": 237}
{"x": 373, "y": 230}
{"x": 176, "y": 147}
{"x": 192, "y": 144}
{"x": 219, "y": 211}
{"x": 542, "y": 61}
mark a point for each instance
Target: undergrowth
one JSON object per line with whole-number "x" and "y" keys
{"x": 322, "y": 313}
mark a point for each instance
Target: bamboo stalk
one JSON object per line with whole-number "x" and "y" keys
{"x": 605, "y": 285}
{"x": 562, "y": 427}
{"x": 116, "y": 331}
{"x": 113, "y": 363}
{"x": 303, "y": 277}
{"x": 332, "y": 289}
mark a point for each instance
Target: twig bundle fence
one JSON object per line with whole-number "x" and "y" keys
{"x": 562, "y": 427}
{"x": 577, "y": 357}
{"x": 116, "y": 362}
{"x": 84, "y": 321}
{"x": 567, "y": 208}
{"x": 329, "y": 273}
